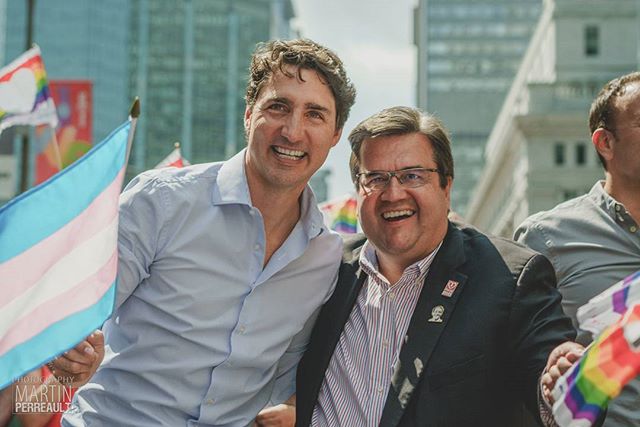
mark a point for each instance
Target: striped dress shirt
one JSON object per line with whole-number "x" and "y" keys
{"x": 357, "y": 380}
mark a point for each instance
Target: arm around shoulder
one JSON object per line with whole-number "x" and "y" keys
{"x": 537, "y": 326}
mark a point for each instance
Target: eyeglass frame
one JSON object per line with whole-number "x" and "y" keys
{"x": 390, "y": 175}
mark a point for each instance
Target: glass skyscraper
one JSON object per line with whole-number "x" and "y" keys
{"x": 468, "y": 54}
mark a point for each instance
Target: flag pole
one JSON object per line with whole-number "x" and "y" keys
{"x": 56, "y": 150}
{"x": 134, "y": 113}
{"x": 24, "y": 162}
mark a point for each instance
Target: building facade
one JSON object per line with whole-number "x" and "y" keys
{"x": 539, "y": 152}
{"x": 468, "y": 53}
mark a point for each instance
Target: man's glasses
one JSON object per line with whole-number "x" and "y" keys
{"x": 409, "y": 178}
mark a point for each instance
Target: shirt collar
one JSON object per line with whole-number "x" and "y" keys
{"x": 615, "y": 209}
{"x": 231, "y": 182}
{"x": 232, "y": 188}
{"x": 369, "y": 262}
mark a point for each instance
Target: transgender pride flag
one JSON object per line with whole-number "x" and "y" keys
{"x": 58, "y": 258}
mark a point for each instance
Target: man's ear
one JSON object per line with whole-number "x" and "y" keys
{"x": 603, "y": 141}
{"x": 247, "y": 117}
{"x": 336, "y": 137}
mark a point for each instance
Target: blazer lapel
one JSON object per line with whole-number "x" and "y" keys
{"x": 442, "y": 288}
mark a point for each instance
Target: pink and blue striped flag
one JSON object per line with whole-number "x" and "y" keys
{"x": 58, "y": 258}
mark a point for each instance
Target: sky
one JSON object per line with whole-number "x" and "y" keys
{"x": 374, "y": 39}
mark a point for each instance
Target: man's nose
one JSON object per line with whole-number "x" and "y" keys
{"x": 293, "y": 127}
{"x": 393, "y": 191}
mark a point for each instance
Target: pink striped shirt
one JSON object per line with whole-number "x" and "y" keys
{"x": 357, "y": 380}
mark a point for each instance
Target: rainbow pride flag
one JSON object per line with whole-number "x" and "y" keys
{"x": 341, "y": 214}
{"x": 605, "y": 309}
{"x": 610, "y": 362}
{"x": 58, "y": 258}
{"x": 24, "y": 92}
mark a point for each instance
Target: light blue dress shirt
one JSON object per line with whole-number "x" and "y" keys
{"x": 202, "y": 333}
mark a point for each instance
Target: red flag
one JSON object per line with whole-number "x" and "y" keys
{"x": 174, "y": 159}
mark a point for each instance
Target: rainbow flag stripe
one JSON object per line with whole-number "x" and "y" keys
{"x": 59, "y": 257}
{"x": 26, "y": 77}
{"x": 341, "y": 214}
{"x": 606, "y": 308}
{"x": 610, "y": 362}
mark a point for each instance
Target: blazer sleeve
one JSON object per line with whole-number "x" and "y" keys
{"x": 537, "y": 325}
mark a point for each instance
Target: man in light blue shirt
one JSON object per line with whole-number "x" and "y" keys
{"x": 224, "y": 266}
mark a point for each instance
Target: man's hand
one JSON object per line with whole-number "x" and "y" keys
{"x": 560, "y": 360}
{"x": 75, "y": 367}
{"x": 283, "y": 415}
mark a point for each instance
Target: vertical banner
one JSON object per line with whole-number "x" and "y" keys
{"x": 73, "y": 99}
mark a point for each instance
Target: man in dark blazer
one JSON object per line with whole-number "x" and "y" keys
{"x": 432, "y": 323}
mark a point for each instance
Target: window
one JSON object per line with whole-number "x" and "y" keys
{"x": 558, "y": 153}
{"x": 591, "y": 40}
{"x": 581, "y": 154}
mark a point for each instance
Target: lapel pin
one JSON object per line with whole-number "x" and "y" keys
{"x": 449, "y": 288}
{"x": 436, "y": 314}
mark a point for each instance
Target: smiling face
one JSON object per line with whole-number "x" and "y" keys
{"x": 404, "y": 224}
{"x": 290, "y": 129}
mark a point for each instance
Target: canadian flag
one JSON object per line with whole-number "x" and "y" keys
{"x": 174, "y": 159}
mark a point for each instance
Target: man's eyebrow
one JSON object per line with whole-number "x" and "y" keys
{"x": 314, "y": 106}
{"x": 280, "y": 100}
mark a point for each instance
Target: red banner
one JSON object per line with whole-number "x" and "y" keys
{"x": 73, "y": 99}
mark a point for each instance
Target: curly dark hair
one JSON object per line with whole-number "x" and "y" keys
{"x": 275, "y": 55}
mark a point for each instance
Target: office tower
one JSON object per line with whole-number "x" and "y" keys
{"x": 468, "y": 53}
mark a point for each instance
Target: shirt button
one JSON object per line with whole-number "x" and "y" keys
{"x": 618, "y": 208}
{"x": 385, "y": 343}
{"x": 392, "y": 295}
{"x": 210, "y": 401}
{"x": 380, "y": 389}
{"x": 241, "y": 329}
{"x": 256, "y": 247}
{"x": 633, "y": 229}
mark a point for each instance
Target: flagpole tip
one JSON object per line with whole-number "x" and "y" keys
{"x": 176, "y": 144}
{"x": 134, "y": 111}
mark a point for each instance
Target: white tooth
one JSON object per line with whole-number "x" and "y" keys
{"x": 294, "y": 153}
{"x": 395, "y": 214}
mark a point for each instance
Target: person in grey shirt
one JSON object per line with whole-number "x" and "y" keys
{"x": 593, "y": 241}
{"x": 222, "y": 267}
